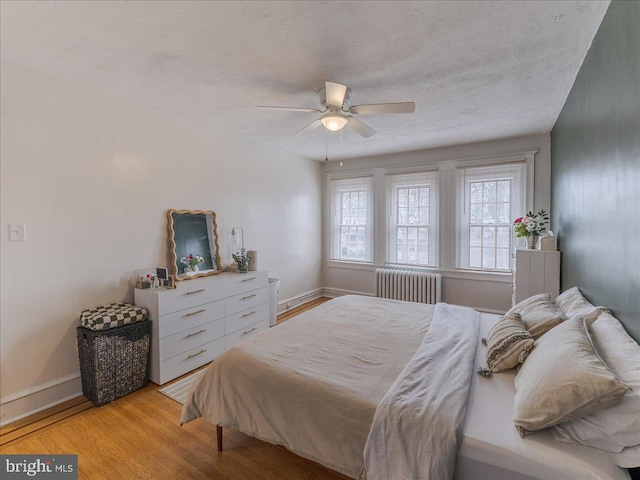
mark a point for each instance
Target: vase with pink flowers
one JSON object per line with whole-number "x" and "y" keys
{"x": 531, "y": 226}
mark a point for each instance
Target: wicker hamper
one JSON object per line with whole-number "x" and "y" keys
{"x": 114, "y": 362}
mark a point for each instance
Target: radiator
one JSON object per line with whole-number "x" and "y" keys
{"x": 409, "y": 286}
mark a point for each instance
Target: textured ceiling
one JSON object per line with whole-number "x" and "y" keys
{"x": 475, "y": 70}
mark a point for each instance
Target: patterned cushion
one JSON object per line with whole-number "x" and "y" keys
{"x": 113, "y": 315}
{"x": 509, "y": 343}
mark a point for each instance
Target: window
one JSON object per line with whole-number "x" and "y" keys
{"x": 490, "y": 199}
{"x": 351, "y": 219}
{"x": 454, "y": 215}
{"x": 412, "y": 226}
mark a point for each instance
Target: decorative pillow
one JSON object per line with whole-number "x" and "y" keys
{"x": 573, "y": 304}
{"x": 616, "y": 428}
{"x": 539, "y": 314}
{"x": 509, "y": 343}
{"x": 563, "y": 379}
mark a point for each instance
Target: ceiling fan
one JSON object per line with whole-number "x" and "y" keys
{"x": 335, "y": 98}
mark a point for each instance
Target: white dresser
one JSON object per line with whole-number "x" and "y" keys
{"x": 200, "y": 319}
{"x": 537, "y": 271}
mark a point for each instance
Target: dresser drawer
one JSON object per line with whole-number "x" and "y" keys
{"x": 187, "y": 319}
{"x": 188, "y": 295}
{"x": 245, "y": 282}
{"x": 245, "y": 318}
{"x": 246, "y": 300}
{"x": 187, "y": 361}
{"x": 190, "y": 339}
{"x": 235, "y": 337}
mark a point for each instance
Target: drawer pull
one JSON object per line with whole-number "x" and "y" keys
{"x": 248, "y": 279}
{"x": 249, "y": 331}
{"x": 195, "y": 313}
{"x": 196, "y": 333}
{"x": 195, "y": 291}
{"x": 196, "y": 354}
{"x": 249, "y": 314}
{"x": 247, "y": 297}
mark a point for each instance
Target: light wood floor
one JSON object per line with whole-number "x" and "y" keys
{"x": 139, "y": 436}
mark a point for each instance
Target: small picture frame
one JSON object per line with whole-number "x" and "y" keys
{"x": 162, "y": 273}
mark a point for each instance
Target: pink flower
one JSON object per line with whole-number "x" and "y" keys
{"x": 517, "y": 220}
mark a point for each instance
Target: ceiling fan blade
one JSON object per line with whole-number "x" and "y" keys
{"x": 291, "y": 109}
{"x": 308, "y": 128}
{"x": 334, "y": 93}
{"x": 360, "y": 127}
{"x": 403, "y": 107}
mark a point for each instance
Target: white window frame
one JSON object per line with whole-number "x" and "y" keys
{"x": 394, "y": 182}
{"x": 337, "y": 188}
{"x": 517, "y": 174}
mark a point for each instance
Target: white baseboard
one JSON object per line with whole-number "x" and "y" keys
{"x": 339, "y": 292}
{"x": 41, "y": 397}
{"x": 289, "y": 303}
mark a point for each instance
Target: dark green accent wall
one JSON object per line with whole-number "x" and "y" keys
{"x": 595, "y": 170}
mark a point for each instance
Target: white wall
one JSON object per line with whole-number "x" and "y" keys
{"x": 92, "y": 178}
{"x": 490, "y": 292}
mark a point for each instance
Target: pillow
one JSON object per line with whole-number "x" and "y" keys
{"x": 573, "y": 304}
{"x": 616, "y": 428}
{"x": 539, "y": 314}
{"x": 563, "y": 379}
{"x": 509, "y": 343}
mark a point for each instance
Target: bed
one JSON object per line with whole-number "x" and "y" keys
{"x": 317, "y": 385}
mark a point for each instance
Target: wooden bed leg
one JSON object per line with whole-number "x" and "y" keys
{"x": 219, "y": 435}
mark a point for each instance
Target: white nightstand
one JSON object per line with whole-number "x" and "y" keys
{"x": 537, "y": 271}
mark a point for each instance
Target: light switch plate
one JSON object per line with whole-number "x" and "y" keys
{"x": 17, "y": 232}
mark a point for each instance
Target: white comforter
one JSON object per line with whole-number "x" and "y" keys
{"x": 417, "y": 427}
{"x": 312, "y": 384}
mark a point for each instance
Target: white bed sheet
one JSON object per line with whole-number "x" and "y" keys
{"x": 491, "y": 447}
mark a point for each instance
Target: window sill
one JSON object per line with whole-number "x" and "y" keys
{"x": 351, "y": 265}
{"x": 502, "y": 277}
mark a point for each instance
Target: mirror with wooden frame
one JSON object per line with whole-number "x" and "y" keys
{"x": 193, "y": 239}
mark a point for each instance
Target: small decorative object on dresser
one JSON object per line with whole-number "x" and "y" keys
{"x": 253, "y": 260}
{"x": 153, "y": 278}
{"x": 200, "y": 319}
{"x": 549, "y": 242}
{"x": 242, "y": 259}
{"x": 531, "y": 226}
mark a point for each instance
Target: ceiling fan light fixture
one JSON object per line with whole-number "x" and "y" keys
{"x": 334, "y": 121}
